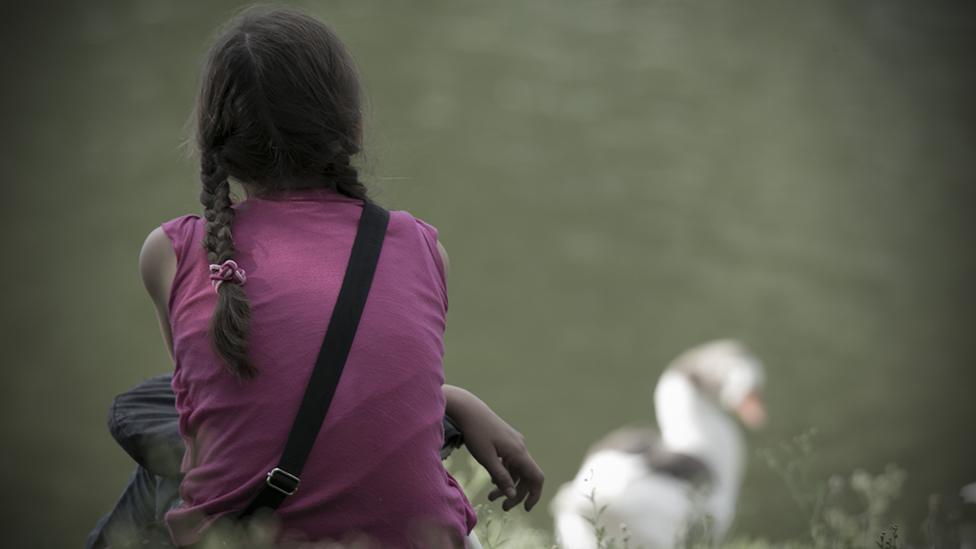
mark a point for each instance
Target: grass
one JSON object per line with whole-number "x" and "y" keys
{"x": 850, "y": 511}
{"x": 844, "y": 512}
{"x": 495, "y": 529}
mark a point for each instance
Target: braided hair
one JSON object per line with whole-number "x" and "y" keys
{"x": 279, "y": 109}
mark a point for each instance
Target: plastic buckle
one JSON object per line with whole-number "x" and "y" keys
{"x": 282, "y": 481}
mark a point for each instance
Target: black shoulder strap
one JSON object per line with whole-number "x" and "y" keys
{"x": 282, "y": 481}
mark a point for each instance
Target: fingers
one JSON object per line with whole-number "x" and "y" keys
{"x": 530, "y": 481}
{"x": 512, "y": 500}
{"x": 503, "y": 481}
{"x": 528, "y": 478}
{"x": 520, "y": 494}
{"x": 533, "y": 478}
{"x": 515, "y": 474}
{"x": 487, "y": 456}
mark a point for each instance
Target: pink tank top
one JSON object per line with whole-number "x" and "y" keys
{"x": 375, "y": 467}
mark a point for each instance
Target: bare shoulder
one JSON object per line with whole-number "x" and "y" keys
{"x": 157, "y": 266}
{"x": 444, "y": 259}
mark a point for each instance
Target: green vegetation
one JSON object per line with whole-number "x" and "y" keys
{"x": 496, "y": 529}
{"x": 843, "y": 512}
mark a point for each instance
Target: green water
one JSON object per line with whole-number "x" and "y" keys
{"x": 615, "y": 181}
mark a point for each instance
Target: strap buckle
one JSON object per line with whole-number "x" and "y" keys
{"x": 282, "y": 481}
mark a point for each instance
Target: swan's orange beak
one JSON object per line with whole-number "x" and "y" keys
{"x": 752, "y": 411}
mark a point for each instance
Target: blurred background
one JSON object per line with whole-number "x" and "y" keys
{"x": 615, "y": 181}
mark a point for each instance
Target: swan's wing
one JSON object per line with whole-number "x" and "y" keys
{"x": 572, "y": 529}
{"x": 617, "y": 489}
{"x": 646, "y": 442}
{"x": 653, "y": 511}
{"x": 629, "y": 440}
{"x": 601, "y": 478}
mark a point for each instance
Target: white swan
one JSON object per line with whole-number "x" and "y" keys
{"x": 649, "y": 489}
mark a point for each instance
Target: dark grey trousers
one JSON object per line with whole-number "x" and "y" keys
{"x": 137, "y": 518}
{"x": 144, "y": 422}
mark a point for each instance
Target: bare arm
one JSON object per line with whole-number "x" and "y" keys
{"x": 157, "y": 266}
{"x": 498, "y": 447}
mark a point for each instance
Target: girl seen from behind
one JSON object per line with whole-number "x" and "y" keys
{"x": 279, "y": 111}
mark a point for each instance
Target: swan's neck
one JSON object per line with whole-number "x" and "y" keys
{"x": 692, "y": 424}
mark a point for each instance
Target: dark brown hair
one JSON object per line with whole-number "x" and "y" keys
{"x": 279, "y": 108}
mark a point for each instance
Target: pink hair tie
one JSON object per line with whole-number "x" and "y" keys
{"x": 228, "y": 271}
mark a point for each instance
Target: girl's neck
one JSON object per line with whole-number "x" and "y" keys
{"x": 252, "y": 191}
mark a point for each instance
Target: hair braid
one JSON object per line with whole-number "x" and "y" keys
{"x": 231, "y": 319}
{"x": 346, "y": 177}
{"x": 279, "y": 109}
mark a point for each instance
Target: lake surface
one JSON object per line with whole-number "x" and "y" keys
{"x": 615, "y": 182}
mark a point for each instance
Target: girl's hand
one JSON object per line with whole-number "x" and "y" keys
{"x": 498, "y": 447}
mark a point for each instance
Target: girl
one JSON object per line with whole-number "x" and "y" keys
{"x": 279, "y": 112}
